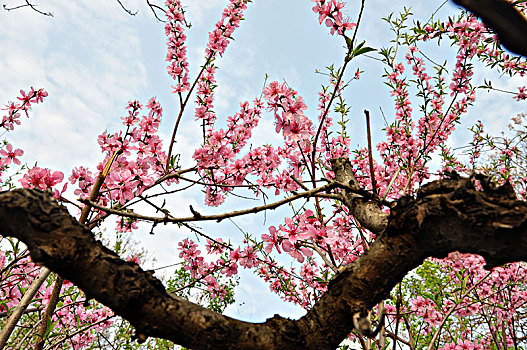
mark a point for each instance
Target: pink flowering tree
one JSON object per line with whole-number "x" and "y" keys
{"x": 422, "y": 244}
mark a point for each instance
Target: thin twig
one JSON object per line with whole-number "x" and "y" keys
{"x": 153, "y": 7}
{"x": 97, "y": 186}
{"x": 127, "y": 10}
{"x": 82, "y": 330}
{"x": 330, "y": 264}
{"x": 436, "y": 11}
{"x": 449, "y": 312}
{"x": 412, "y": 341}
{"x": 33, "y": 7}
{"x": 394, "y": 177}
{"x": 215, "y": 184}
{"x": 12, "y": 321}
{"x": 182, "y": 109}
{"x": 370, "y": 154}
{"x": 27, "y": 311}
{"x": 55, "y": 294}
{"x": 336, "y": 89}
{"x": 53, "y": 300}
{"x": 396, "y": 338}
{"x": 218, "y": 217}
{"x": 299, "y": 183}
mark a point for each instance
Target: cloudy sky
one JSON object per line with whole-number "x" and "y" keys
{"x": 92, "y": 58}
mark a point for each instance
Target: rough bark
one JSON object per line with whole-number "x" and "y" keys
{"x": 446, "y": 216}
{"x": 504, "y": 19}
{"x": 367, "y": 212}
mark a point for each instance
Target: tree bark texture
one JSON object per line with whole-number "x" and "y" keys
{"x": 447, "y": 215}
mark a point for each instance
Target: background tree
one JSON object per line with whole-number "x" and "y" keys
{"x": 357, "y": 226}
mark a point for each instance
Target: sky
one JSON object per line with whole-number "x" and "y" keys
{"x": 93, "y": 58}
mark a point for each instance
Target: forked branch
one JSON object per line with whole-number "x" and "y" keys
{"x": 447, "y": 215}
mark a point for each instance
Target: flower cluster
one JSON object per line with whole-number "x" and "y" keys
{"x": 406, "y": 144}
{"x": 73, "y": 311}
{"x": 227, "y": 264}
{"x": 460, "y": 275}
{"x": 522, "y": 94}
{"x": 329, "y": 12}
{"x": 13, "y": 109}
{"x": 216, "y": 159}
{"x": 43, "y": 179}
{"x": 217, "y": 44}
{"x": 295, "y": 126}
{"x": 225, "y": 27}
{"x": 136, "y": 157}
{"x": 177, "y": 50}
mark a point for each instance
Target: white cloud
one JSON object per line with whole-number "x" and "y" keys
{"x": 88, "y": 58}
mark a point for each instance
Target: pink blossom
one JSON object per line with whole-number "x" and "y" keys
{"x": 10, "y": 155}
{"x": 41, "y": 178}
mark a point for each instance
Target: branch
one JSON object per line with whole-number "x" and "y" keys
{"x": 26, "y": 311}
{"x": 370, "y": 153}
{"x": 127, "y": 10}
{"x": 32, "y": 6}
{"x": 22, "y": 306}
{"x": 219, "y": 217}
{"x": 369, "y": 213}
{"x": 447, "y": 215}
{"x": 503, "y": 17}
{"x": 155, "y": 7}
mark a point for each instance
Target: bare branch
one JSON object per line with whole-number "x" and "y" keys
{"x": 218, "y": 217}
{"x": 155, "y": 7}
{"x": 127, "y": 10}
{"x": 27, "y": 4}
{"x": 370, "y": 153}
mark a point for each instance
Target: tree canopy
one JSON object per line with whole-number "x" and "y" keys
{"x": 358, "y": 225}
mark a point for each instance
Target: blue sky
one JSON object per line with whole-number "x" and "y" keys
{"x": 92, "y": 58}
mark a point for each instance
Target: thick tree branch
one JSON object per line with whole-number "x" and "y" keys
{"x": 447, "y": 215}
{"x": 369, "y": 213}
{"x": 504, "y": 19}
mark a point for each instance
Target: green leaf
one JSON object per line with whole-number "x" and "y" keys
{"x": 361, "y": 49}
{"x": 349, "y": 43}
